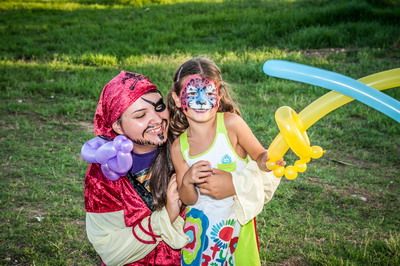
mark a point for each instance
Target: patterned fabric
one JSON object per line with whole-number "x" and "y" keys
{"x": 211, "y": 224}
{"x": 138, "y": 176}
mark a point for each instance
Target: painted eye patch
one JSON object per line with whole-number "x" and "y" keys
{"x": 159, "y": 106}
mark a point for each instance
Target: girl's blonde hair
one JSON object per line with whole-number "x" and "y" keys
{"x": 207, "y": 69}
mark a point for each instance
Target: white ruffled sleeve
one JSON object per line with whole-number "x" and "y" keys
{"x": 253, "y": 189}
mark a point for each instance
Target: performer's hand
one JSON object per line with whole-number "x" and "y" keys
{"x": 174, "y": 204}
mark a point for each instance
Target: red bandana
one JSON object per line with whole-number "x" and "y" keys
{"x": 117, "y": 95}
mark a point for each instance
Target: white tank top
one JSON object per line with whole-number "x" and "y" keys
{"x": 211, "y": 224}
{"x": 220, "y": 154}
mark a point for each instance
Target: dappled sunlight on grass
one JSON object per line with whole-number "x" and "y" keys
{"x": 48, "y": 5}
{"x": 258, "y": 56}
{"x": 71, "y": 5}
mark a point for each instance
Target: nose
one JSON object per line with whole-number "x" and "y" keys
{"x": 155, "y": 117}
{"x": 201, "y": 99}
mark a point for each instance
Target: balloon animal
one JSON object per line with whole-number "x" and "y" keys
{"x": 114, "y": 156}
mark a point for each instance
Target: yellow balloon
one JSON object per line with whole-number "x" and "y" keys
{"x": 290, "y": 172}
{"x": 280, "y": 171}
{"x": 300, "y": 165}
{"x": 330, "y": 102}
{"x": 293, "y": 131}
{"x": 271, "y": 165}
{"x": 316, "y": 152}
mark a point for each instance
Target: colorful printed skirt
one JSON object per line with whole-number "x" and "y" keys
{"x": 214, "y": 235}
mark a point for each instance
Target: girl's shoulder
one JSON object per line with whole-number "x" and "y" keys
{"x": 232, "y": 121}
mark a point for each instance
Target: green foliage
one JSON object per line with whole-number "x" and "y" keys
{"x": 55, "y": 57}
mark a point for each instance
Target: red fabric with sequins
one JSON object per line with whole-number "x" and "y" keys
{"x": 103, "y": 195}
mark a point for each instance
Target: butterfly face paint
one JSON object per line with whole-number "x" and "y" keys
{"x": 199, "y": 94}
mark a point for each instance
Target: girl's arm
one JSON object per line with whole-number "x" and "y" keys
{"x": 187, "y": 177}
{"x": 241, "y": 134}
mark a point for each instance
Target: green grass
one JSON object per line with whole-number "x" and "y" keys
{"x": 55, "y": 56}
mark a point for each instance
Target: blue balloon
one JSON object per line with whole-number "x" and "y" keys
{"x": 334, "y": 81}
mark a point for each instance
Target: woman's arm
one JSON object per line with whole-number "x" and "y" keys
{"x": 253, "y": 189}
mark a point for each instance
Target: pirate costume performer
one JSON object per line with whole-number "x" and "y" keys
{"x": 121, "y": 222}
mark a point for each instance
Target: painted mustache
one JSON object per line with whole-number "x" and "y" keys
{"x": 151, "y": 129}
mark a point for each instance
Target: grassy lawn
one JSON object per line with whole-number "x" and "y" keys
{"x": 56, "y": 55}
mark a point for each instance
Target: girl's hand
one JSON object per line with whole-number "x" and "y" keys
{"x": 281, "y": 162}
{"x": 219, "y": 185}
{"x": 262, "y": 160}
{"x": 197, "y": 172}
{"x": 174, "y": 204}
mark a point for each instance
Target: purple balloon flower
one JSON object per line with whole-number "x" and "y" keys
{"x": 114, "y": 156}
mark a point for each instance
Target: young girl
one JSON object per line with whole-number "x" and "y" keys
{"x": 211, "y": 135}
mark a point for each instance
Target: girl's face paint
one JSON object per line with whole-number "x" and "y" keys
{"x": 199, "y": 94}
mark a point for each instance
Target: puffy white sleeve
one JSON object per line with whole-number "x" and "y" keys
{"x": 253, "y": 189}
{"x": 118, "y": 244}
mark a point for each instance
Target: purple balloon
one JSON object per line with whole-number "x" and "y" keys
{"x": 110, "y": 174}
{"x": 113, "y": 165}
{"x": 89, "y": 149}
{"x": 114, "y": 156}
{"x": 122, "y": 143}
{"x": 127, "y": 146}
{"x": 124, "y": 161}
{"x": 105, "y": 152}
{"x": 118, "y": 140}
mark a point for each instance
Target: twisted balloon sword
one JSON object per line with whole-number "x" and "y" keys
{"x": 342, "y": 86}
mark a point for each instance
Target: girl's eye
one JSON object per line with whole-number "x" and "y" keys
{"x": 192, "y": 94}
